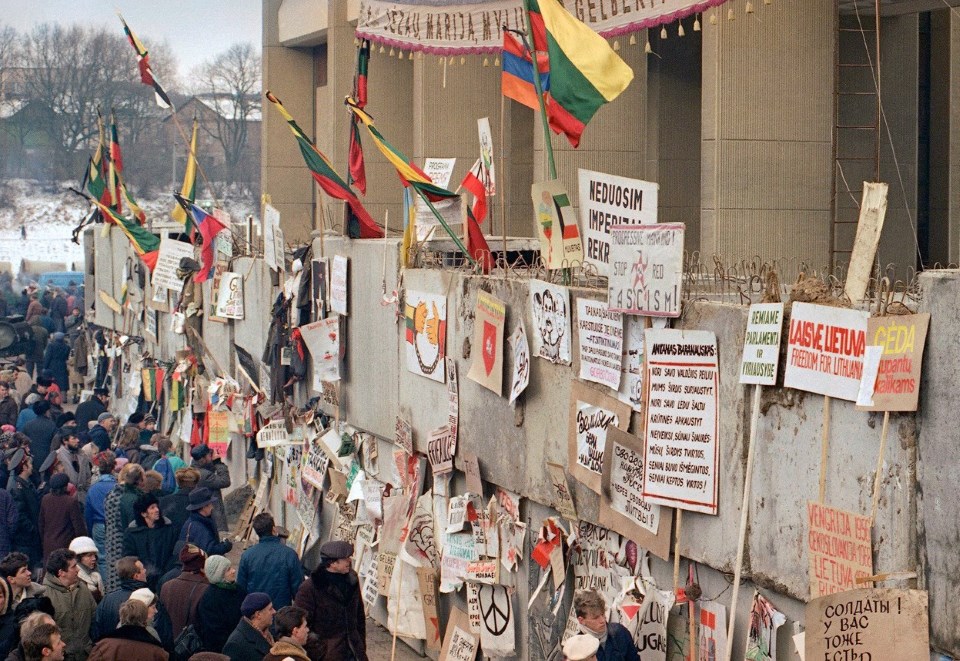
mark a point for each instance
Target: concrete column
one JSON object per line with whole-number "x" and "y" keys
{"x": 944, "y": 138}
{"x": 767, "y": 125}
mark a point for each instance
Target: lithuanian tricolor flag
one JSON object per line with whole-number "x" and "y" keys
{"x": 119, "y": 195}
{"x": 358, "y": 174}
{"x": 152, "y": 383}
{"x": 327, "y": 178}
{"x": 175, "y": 396}
{"x": 145, "y": 244}
{"x": 585, "y": 72}
{"x": 188, "y": 190}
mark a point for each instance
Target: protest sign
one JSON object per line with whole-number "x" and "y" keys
{"x": 470, "y": 465}
{"x": 440, "y": 450}
{"x": 646, "y": 269}
{"x": 607, "y": 200}
{"x": 230, "y": 296}
{"x": 591, "y": 414}
{"x": 404, "y": 435}
{"x": 458, "y": 552}
{"x": 631, "y": 369}
{"x": 386, "y": 562}
{"x": 456, "y": 514}
{"x": 643, "y": 610}
{"x": 897, "y": 385}
{"x": 453, "y": 399}
{"x": 428, "y": 593}
{"x": 761, "y": 344}
{"x": 319, "y": 286}
{"x": 561, "y": 491}
{"x": 168, "y": 261}
{"x": 487, "y": 366}
{"x": 682, "y": 456}
{"x": 877, "y": 624}
{"x": 521, "y": 363}
{"x": 712, "y": 630}
{"x": 825, "y": 349}
{"x": 497, "y": 620}
{"x": 622, "y": 506}
{"x": 600, "y": 340}
{"x": 426, "y": 334}
{"x": 473, "y": 606}
{"x": 459, "y": 644}
{"x": 218, "y": 423}
{"x": 272, "y": 238}
{"x": 323, "y": 341}
{"x": 419, "y": 548}
{"x": 488, "y": 174}
{"x": 556, "y": 225}
{"x": 338, "y": 285}
{"x": 439, "y": 170}
{"x": 315, "y": 468}
{"x": 483, "y": 571}
{"x": 593, "y": 560}
{"x": 550, "y": 310}
{"x": 873, "y": 210}
{"x": 839, "y": 548}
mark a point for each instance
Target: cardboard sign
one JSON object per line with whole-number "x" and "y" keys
{"x": 875, "y": 624}
{"x": 591, "y": 414}
{"x": 230, "y": 296}
{"x": 470, "y": 465}
{"x": 600, "y": 340}
{"x": 550, "y": 311}
{"x": 428, "y": 594}
{"x": 488, "y": 173}
{"x": 168, "y": 261}
{"x": 273, "y": 434}
{"x": 315, "y": 469}
{"x": 323, "y": 341}
{"x": 646, "y": 269}
{"x": 825, "y": 350}
{"x": 607, "y": 200}
{"x": 521, "y": 363}
{"x": 459, "y": 644}
{"x": 440, "y": 450}
{"x": 761, "y": 344}
{"x": 497, "y": 620}
{"x": 556, "y": 225}
{"x": 631, "y": 370}
{"x": 473, "y": 607}
{"x": 839, "y": 548}
{"x": 487, "y": 366}
{"x": 682, "y": 457}
{"x": 386, "y": 562}
{"x": 622, "y": 505}
{"x": 873, "y": 210}
{"x": 338, "y": 285}
{"x": 897, "y": 385}
{"x": 563, "y": 499}
{"x": 426, "y": 334}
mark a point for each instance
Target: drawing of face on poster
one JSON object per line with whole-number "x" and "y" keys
{"x": 762, "y": 637}
{"x": 550, "y": 309}
{"x": 487, "y": 172}
{"x": 521, "y": 362}
{"x": 426, "y": 334}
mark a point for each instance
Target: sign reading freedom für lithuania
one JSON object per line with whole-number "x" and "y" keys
{"x": 825, "y": 350}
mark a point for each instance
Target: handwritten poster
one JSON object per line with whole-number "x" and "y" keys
{"x": 168, "y": 261}
{"x": 712, "y": 630}
{"x": 426, "y": 334}
{"x": 761, "y": 344}
{"x": 563, "y": 499}
{"x": 646, "y": 269}
{"x": 591, "y": 414}
{"x": 487, "y": 365}
{"x": 273, "y": 434}
{"x": 230, "y": 296}
{"x": 600, "y": 339}
{"x": 272, "y": 238}
{"x": 404, "y": 435}
{"x": 459, "y": 643}
{"x": 897, "y": 386}
{"x": 556, "y": 225}
{"x": 550, "y": 311}
{"x": 315, "y": 467}
{"x": 521, "y": 362}
{"x": 607, "y": 200}
{"x": 338, "y": 284}
{"x": 839, "y": 548}
{"x": 825, "y": 350}
{"x": 323, "y": 341}
{"x": 631, "y": 369}
{"x": 682, "y": 457}
{"x": 440, "y": 450}
{"x": 219, "y": 427}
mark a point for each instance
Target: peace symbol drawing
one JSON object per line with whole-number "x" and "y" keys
{"x": 495, "y": 608}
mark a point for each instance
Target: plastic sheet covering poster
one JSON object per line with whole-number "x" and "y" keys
{"x": 404, "y": 603}
{"x": 497, "y": 620}
{"x": 550, "y": 311}
{"x": 712, "y": 630}
{"x": 487, "y": 366}
{"x": 426, "y": 334}
{"x": 556, "y": 225}
{"x": 762, "y": 635}
{"x": 591, "y": 414}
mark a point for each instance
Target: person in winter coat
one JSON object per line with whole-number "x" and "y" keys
{"x": 8, "y": 521}
{"x": 101, "y": 432}
{"x": 332, "y": 600}
{"x": 87, "y": 553}
{"x": 214, "y": 475}
{"x": 28, "y": 625}
{"x": 58, "y": 309}
{"x": 26, "y": 411}
{"x": 181, "y": 595}
{"x": 26, "y": 536}
{"x": 168, "y": 464}
{"x": 61, "y": 517}
{"x": 93, "y": 510}
{"x": 174, "y": 506}
{"x": 200, "y": 529}
{"x": 218, "y": 612}
{"x": 118, "y": 513}
{"x": 8, "y": 406}
{"x": 130, "y": 640}
{"x": 150, "y": 537}
{"x": 616, "y": 643}
{"x": 73, "y": 604}
{"x": 90, "y": 410}
{"x": 40, "y": 430}
{"x": 55, "y": 359}
{"x": 76, "y": 464}
{"x": 251, "y": 640}
{"x": 292, "y": 630}
{"x": 15, "y": 575}
{"x": 270, "y": 565}
{"x": 132, "y": 577}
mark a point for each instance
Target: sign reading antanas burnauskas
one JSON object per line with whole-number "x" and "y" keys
{"x": 646, "y": 269}
{"x": 607, "y": 200}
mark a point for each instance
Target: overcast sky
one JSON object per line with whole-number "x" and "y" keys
{"x": 195, "y": 29}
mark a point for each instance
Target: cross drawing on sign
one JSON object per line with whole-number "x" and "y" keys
{"x": 496, "y": 614}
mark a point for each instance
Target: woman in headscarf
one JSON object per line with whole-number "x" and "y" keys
{"x": 219, "y": 609}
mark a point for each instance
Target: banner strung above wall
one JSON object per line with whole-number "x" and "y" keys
{"x": 446, "y": 27}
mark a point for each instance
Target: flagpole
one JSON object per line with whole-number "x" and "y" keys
{"x": 452, "y": 234}
{"x": 548, "y": 146}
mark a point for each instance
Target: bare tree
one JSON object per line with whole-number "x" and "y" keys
{"x": 230, "y": 84}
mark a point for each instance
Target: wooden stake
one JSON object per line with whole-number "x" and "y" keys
{"x": 876, "y": 479}
{"x": 744, "y": 515}
{"x": 824, "y": 448}
{"x": 678, "y": 519}
{"x": 692, "y": 611}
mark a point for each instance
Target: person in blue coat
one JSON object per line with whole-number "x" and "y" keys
{"x": 200, "y": 529}
{"x": 270, "y": 566}
{"x": 616, "y": 643}
{"x": 55, "y": 359}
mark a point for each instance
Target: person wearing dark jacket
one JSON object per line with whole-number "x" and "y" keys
{"x": 293, "y": 632}
{"x": 616, "y": 643}
{"x": 9, "y": 410}
{"x": 26, "y": 536}
{"x": 100, "y": 434}
{"x": 133, "y": 576}
{"x": 117, "y": 514}
{"x": 251, "y": 640}
{"x": 200, "y": 529}
{"x": 270, "y": 566}
{"x": 61, "y": 517}
{"x": 131, "y": 640}
{"x": 55, "y": 359}
{"x": 181, "y": 595}
{"x": 214, "y": 475}
{"x": 218, "y": 612}
{"x": 332, "y": 600}
{"x": 40, "y": 430}
{"x": 8, "y": 522}
{"x": 174, "y": 506}
{"x": 91, "y": 409}
{"x": 150, "y": 537}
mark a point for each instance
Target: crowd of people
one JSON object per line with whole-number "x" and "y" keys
{"x": 113, "y": 548}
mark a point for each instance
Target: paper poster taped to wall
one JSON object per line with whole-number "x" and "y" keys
{"x": 550, "y": 311}
{"x": 487, "y": 366}
{"x": 426, "y": 334}
{"x": 319, "y": 287}
{"x": 839, "y": 547}
{"x": 439, "y": 170}
{"x": 339, "y": 286}
{"x": 682, "y": 456}
{"x": 521, "y": 362}
{"x": 488, "y": 173}
{"x": 497, "y": 621}
{"x": 631, "y": 370}
{"x": 762, "y": 634}
{"x": 646, "y": 269}
{"x": 230, "y": 296}
{"x": 591, "y": 414}
{"x": 825, "y": 350}
{"x": 459, "y": 643}
{"x": 168, "y": 261}
{"x": 600, "y": 343}
{"x": 556, "y": 225}
{"x": 643, "y": 610}
{"x": 272, "y": 238}
{"x": 712, "y": 630}
{"x": 761, "y": 344}
{"x": 323, "y": 341}
{"x": 897, "y": 386}
{"x": 606, "y": 200}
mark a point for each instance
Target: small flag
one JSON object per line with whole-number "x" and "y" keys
{"x": 516, "y": 78}
{"x": 143, "y": 64}
{"x": 118, "y": 190}
{"x": 145, "y": 244}
{"x": 476, "y": 243}
{"x": 188, "y": 190}
{"x": 152, "y": 378}
{"x": 208, "y": 226}
{"x": 358, "y": 173}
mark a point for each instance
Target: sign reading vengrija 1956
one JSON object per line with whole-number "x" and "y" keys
{"x": 646, "y": 269}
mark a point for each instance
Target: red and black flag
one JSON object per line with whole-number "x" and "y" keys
{"x": 357, "y": 173}
{"x": 143, "y": 64}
